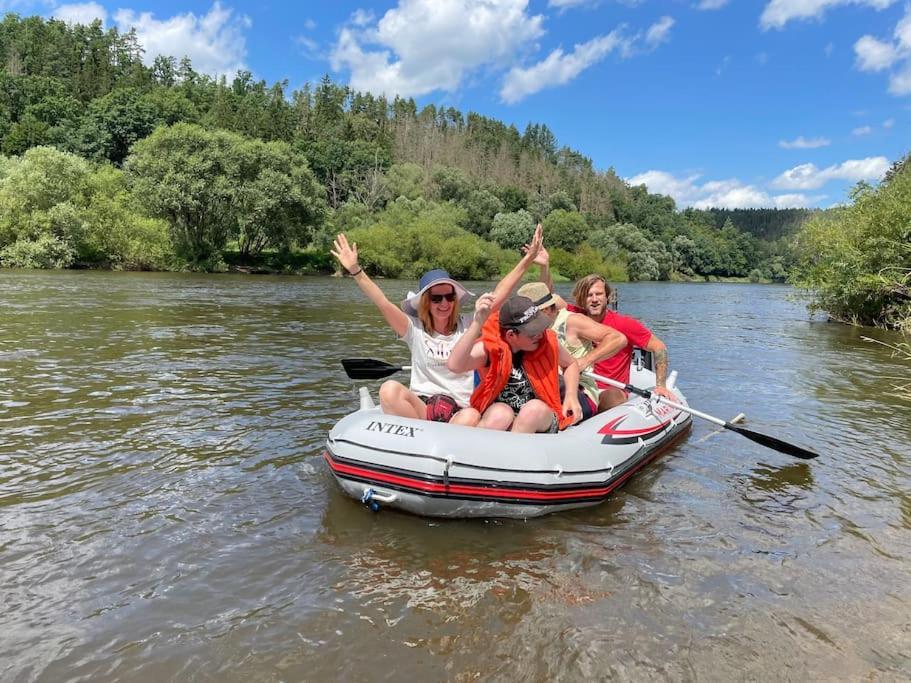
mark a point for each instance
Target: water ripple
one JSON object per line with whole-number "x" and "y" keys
{"x": 165, "y": 513}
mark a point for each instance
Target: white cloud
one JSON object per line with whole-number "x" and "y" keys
{"x": 309, "y": 47}
{"x": 877, "y": 55}
{"x": 809, "y": 177}
{"x": 362, "y": 17}
{"x": 658, "y": 32}
{"x": 723, "y": 194}
{"x": 426, "y": 45}
{"x": 558, "y": 68}
{"x": 567, "y": 4}
{"x": 873, "y": 54}
{"x": 214, "y": 42}
{"x": 80, "y": 13}
{"x": 683, "y": 190}
{"x": 725, "y": 62}
{"x": 795, "y": 201}
{"x": 900, "y": 83}
{"x": 777, "y": 13}
{"x": 800, "y": 142}
{"x": 829, "y": 49}
{"x": 862, "y": 130}
{"x": 707, "y": 5}
{"x": 888, "y": 123}
{"x": 762, "y": 58}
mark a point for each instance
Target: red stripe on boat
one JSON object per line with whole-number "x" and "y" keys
{"x": 478, "y": 491}
{"x": 608, "y": 428}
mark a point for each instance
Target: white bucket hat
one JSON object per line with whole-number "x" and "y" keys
{"x": 430, "y": 279}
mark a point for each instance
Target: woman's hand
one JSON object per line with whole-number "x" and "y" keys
{"x": 536, "y": 246}
{"x": 482, "y": 308}
{"x": 345, "y": 253}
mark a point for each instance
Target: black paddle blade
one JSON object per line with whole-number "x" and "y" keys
{"x": 368, "y": 368}
{"x": 773, "y": 443}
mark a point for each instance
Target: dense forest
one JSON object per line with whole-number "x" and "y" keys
{"x": 108, "y": 162}
{"x": 857, "y": 259}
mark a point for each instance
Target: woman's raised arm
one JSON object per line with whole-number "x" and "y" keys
{"x": 347, "y": 256}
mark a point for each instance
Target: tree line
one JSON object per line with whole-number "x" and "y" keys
{"x": 111, "y": 163}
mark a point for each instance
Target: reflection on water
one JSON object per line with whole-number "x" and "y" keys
{"x": 165, "y": 513}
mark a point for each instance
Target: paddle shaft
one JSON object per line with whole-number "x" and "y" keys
{"x": 645, "y": 393}
{"x": 763, "y": 439}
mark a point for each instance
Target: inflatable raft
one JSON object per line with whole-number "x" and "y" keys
{"x": 441, "y": 470}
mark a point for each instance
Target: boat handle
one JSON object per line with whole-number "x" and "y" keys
{"x": 372, "y": 497}
{"x": 384, "y": 498}
{"x": 446, "y": 471}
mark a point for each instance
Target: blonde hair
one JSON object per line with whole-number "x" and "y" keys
{"x": 427, "y": 320}
{"x": 583, "y": 287}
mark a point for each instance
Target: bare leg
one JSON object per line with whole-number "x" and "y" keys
{"x": 397, "y": 399}
{"x": 467, "y": 417}
{"x": 498, "y": 416}
{"x": 534, "y": 416}
{"x": 610, "y": 398}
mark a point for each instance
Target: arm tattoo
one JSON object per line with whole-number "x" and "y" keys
{"x": 660, "y": 367}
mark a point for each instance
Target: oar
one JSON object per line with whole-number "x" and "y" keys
{"x": 368, "y": 368}
{"x": 762, "y": 439}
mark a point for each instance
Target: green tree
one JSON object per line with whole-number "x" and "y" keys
{"x": 188, "y": 176}
{"x": 212, "y": 185}
{"x": 452, "y": 184}
{"x": 565, "y": 229}
{"x": 480, "y": 207}
{"x": 857, "y": 260}
{"x": 278, "y": 201}
{"x": 512, "y": 230}
{"x": 114, "y": 123}
{"x": 404, "y": 180}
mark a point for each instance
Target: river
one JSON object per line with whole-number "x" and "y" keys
{"x": 165, "y": 513}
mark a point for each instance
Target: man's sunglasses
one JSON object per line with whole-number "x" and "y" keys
{"x": 437, "y": 298}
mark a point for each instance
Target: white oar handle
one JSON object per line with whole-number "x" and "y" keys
{"x": 657, "y": 397}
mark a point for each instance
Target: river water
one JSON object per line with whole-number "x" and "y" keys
{"x": 165, "y": 513}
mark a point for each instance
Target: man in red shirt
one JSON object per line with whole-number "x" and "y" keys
{"x": 590, "y": 294}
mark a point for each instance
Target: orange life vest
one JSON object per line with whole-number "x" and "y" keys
{"x": 541, "y": 367}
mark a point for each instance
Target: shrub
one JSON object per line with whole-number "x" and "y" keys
{"x": 512, "y": 230}
{"x": 857, "y": 260}
{"x": 47, "y": 251}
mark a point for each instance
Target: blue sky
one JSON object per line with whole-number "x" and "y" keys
{"x": 715, "y": 102}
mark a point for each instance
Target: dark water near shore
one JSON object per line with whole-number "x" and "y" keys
{"x": 165, "y": 513}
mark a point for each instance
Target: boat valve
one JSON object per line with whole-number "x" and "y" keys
{"x": 372, "y": 499}
{"x": 367, "y": 499}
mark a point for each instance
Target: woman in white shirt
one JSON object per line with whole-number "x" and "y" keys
{"x": 430, "y": 323}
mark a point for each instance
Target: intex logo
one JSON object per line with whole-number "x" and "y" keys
{"x": 392, "y": 428}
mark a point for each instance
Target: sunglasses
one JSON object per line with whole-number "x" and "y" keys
{"x": 437, "y": 298}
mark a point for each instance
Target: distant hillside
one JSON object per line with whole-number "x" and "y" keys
{"x": 354, "y": 159}
{"x": 766, "y": 224}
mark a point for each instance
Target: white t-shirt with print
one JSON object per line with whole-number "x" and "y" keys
{"x": 429, "y": 353}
